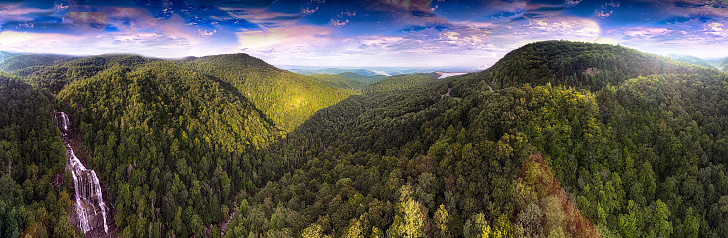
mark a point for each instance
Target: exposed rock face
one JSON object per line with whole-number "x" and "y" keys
{"x": 592, "y": 71}
{"x": 89, "y": 210}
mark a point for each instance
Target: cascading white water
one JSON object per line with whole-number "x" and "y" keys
{"x": 89, "y": 200}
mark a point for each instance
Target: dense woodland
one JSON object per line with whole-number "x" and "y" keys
{"x": 557, "y": 139}
{"x": 287, "y": 98}
{"x": 693, "y": 60}
{"x": 400, "y": 82}
{"x": 347, "y": 80}
{"x": 32, "y": 200}
{"x": 721, "y": 64}
{"x": 15, "y": 62}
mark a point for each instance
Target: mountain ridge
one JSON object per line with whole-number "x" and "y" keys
{"x": 557, "y": 138}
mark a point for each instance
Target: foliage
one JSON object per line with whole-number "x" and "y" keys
{"x": 22, "y": 61}
{"x": 56, "y": 77}
{"x": 169, "y": 141}
{"x": 287, "y": 98}
{"x": 589, "y": 66}
{"x": 400, "y": 82}
{"x": 621, "y": 153}
{"x": 692, "y": 60}
{"x": 351, "y": 81}
{"x": 558, "y": 139}
{"x": 721, "y": 64}
{"x": 34, "y": 199}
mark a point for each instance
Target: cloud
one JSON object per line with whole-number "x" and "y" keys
{"x": 282, "y": 38}
{"x": 347, "y": 13}
{"x": 264, "y": 16}
{"x": 339, "y": 23}
{"x": 84, "y": 21}
{"x": 307, "y": 11}
{"x": 572, "y": 3}
{"x": 139, "y": 43}
{"x": 11, "y": 38}
{"x": 406, "y": 5}
{"x": 553, "y": 28}
{"x": 205, "y": 33}
{"x": 602, "y": 14}
{"x": 717, "y": 29}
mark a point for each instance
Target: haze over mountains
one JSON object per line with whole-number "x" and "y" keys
{"x": 557, "y": 138}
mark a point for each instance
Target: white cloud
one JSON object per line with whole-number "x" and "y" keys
{"x": 572, "y": 2}
{"x": 307, "y": 11}
{"x": 206, "y": 33}
{"x": 602, "y": 14}
{"x": 689, "y": 38}
{"x": 715, "y": 28}
{"x": 339, "y": 23}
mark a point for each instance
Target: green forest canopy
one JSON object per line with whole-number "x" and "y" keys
{"x": 556, "y": 139}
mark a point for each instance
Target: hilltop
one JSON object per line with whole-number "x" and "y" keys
{"x": 287, "y": 98}
{"x": 590, "y": 66}
{"x": 490, "y": 157}
{"x": 557, "y": 138}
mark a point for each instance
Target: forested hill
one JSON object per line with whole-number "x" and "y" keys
{"x": 347, "y": 80}
{"x": 29, "y": 60}
{"x": 400, "y": 82}
{"x": 722, "y": 64}
{"x": 5, "y": 55}
{"x": 284, "y": 97}
{"x": 55, "y": 77}
{"x": 287, "y": 98}
{"x": 692, "y": 60}
{"x": 635, "y": 156}
{"x": 34, "y": 201}
{"x": 590, "y": 66}
{"x": 171, "y": 140}
{"x": 558, "y": 139}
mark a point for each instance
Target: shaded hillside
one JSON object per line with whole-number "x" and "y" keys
{"x": 5, "y": 55}
{"x": 287, "y": 98}
{"x": 30, "y": 60}
{"x": 168, "y": 141}
{"x": 34, "y": 198}
{"x": 557, "y": 139}
{"x": 645, "y": 155}
{"x": 400, "y": 82}
{"x": 351, "y": 81}
{"x": 335, "y": 71}
{"x": 582, "y": 65}
{"x": 692, "y": 60}
{"x": 56, "y": 77}
{"x": 721, "y": 64}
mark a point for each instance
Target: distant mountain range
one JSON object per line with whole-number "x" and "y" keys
{"x": 386, "y": 71}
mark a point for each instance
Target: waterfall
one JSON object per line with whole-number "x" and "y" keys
{"x": 62, "y": 122}
{"x": 89, "y": 200}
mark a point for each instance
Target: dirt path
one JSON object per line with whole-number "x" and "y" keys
{"x": 446, "y": 94}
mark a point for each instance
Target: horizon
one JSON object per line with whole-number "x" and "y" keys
{"x": 404, "y": 34}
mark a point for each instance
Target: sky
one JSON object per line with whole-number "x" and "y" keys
{"x": 396, "y": 33}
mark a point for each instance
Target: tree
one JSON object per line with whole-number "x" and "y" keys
{"x": 312, "y": 231}
{"x": 354, "y": 230}
{"x": 691, "y": 225}
{"x": 529, "y": 221}
{"x": 502, "y": 227}
{"x": 628, "y": 222}
{"x": 441, "y": 221}
{"x": 412, "y": 220}
{"x": 663, "y": 227}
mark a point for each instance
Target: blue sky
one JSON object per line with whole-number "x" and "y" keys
{"x": 402, "y": 33}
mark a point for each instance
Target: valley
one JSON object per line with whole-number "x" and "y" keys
{"x": 556, "y": 139}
